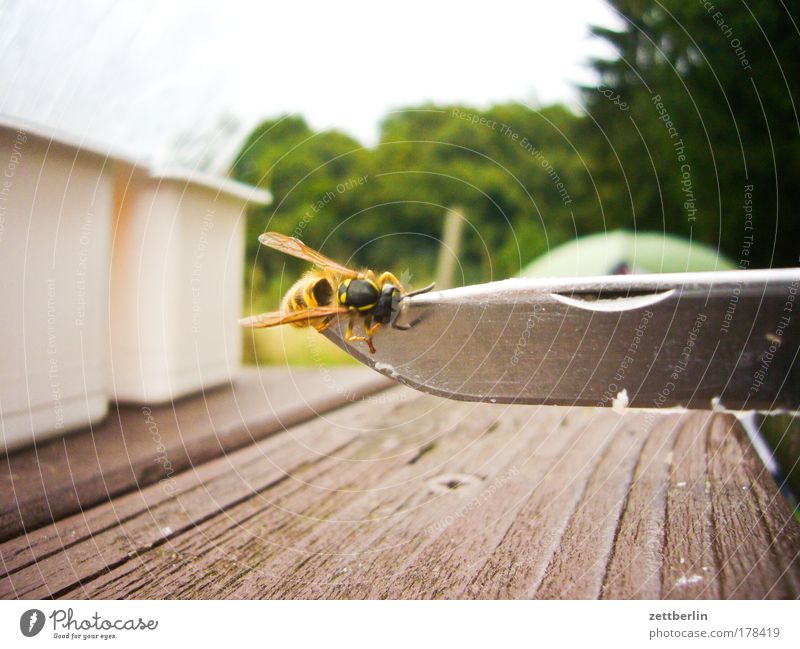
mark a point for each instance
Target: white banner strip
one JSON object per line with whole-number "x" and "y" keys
{"x": 400, "y": 624}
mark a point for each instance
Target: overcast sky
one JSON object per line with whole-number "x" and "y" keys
{"x": 136, "y": 75}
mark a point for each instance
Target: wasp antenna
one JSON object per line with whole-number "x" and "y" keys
{"x": 419, "y": 291}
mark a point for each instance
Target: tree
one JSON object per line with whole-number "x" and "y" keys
{"x": 712, "y": 95}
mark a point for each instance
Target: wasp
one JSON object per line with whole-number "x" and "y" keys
{"x": 332, "y": 290}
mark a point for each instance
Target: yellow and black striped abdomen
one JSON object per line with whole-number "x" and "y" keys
{"x": 312, "y": 289}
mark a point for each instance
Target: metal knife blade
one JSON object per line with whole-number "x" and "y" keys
{"x": 694, "y": 340}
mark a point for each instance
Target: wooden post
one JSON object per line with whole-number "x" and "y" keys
{"x": 450, "y": 248}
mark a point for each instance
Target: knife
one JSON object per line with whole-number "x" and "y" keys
{"x": 695, "y": 340}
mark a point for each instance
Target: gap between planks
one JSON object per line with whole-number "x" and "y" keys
{"x": 138, "y": 446}
{"x": 552, "y": 502}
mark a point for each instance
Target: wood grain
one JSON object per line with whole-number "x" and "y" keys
{"x": 62, "y": 553}
{"x": 404, "y": 495}
{"x": 137, "y": 447}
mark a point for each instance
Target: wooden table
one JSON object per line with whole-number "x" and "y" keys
{"x": 335, "y": 484}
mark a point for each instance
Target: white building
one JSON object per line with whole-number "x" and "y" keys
{"x": 177, "y": 274}
{"x": 117, "y": 281}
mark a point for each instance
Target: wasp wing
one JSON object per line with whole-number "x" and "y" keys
{"x": 296, "y": 248}
{"x": 276, "y": 318}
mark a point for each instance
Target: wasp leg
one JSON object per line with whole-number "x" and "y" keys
{"x": 349, "y": 337}
{"x": 370, "y": 331}
{"x": 390, "y": 278}
{"x": 325, "y": 324}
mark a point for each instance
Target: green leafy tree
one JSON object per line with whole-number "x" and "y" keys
{"x": 722, "y": 81}
{"x": 302, "y": 169}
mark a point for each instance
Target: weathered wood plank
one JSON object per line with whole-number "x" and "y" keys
{"x": 445, "y": 486}
{"x": 743, "y": 539}
{"x": 456, "y": 555}
{"x": 413, "y": 496}
{"x": 517, "y": 565}
{"x": 260, "y": 545}
{"x": 577, "y": 569}
{"x": 634, "y": 571}
{"x": 584, "y": 489}
{"x": 192, "y": 497}
{"x": 136, "y": 447}
{"x": 689, "y": 540}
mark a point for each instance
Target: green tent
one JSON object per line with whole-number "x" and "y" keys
{"x": 620, "y": 251}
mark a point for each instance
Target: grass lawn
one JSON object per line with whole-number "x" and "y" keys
{"x": 288, "y": 345}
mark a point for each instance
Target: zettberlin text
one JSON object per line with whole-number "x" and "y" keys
{"x": 674, "y": 615}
